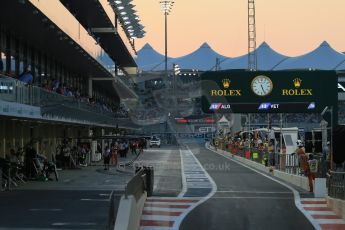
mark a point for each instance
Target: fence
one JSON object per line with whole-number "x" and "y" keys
{"x": 336, "y": 185}
{"x": 289, "y": 163}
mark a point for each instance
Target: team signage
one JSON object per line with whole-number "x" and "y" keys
{"x": 297, "y": 90}
{"x": 270, "y": 91}
{"x": 226, "y": 92}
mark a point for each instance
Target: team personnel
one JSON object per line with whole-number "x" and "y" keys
{"x": 302, "y": 158}
{"x": 313, "y": 167}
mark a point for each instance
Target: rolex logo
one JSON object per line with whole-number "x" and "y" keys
{"x": 297, "y": 82}
{"x": 226, "y": 83}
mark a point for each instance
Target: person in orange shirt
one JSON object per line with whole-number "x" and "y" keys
{"x": 302, "y": 158}
{"x": 114, "y": 155}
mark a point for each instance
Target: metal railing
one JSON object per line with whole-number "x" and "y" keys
{"x": 288, "y": 163}
{"x": 336, "y": 185}
{"x": 13, "y": 90}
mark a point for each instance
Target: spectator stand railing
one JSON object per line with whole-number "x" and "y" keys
{"x": 13, "y": 90}
{"x": 16, "y": 91}
{"x": 336, "y": 185}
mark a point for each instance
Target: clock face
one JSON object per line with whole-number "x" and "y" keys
{"x": 262, "y": 86}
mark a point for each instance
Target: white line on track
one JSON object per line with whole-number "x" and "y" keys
{"x": 254, "y": 192}
{"x": 104, "y": 194}
{"x": 162, "y": 209}
{"x": 314, "y": 205}
{"x": 159, "y": 150}
{"x": 313, "y": 199}
{"x": 252, "y": 197}
{"x": 213, "y": 185}
{"x": 148, "y": 203}
{"x": 330, "y": 213}
{"x": 184, "y": 185}
{"x": 330, "y": 221}
{"x": 295, "y": 192}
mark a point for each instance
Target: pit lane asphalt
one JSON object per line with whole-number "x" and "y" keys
{"x": 244, "y": 199}
{"x": 80, "y": 199}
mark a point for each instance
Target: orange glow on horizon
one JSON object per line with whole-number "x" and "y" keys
{"x": 291, "y": 27}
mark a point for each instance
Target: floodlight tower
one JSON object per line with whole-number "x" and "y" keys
{"x": 252, "y": 59}
{"x": 166, "y": 6}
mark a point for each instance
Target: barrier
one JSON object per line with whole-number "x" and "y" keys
{"x": 132, "y": 203}
{"x": 137, "y": 185}
{"x": 337, "y": 205}
{"x": 300, "y": 181}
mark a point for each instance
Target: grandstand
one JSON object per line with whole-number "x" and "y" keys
{"x": 53, "y": 83}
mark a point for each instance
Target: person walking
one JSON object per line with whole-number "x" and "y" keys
{"x": 132, "y": 147}
{"x": 114, "y": 155}
{"x": 271, "y": 153}
{"x": 313, "y": 168}
{"x": 122, "y": 149}
{"x": 106, "y": 158}
{"x": 126, "y": 148}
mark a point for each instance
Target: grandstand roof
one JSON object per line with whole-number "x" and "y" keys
{"x": 149, "y": 59}
{"x": 92, "y": 15}
{"x": 323, "y": 58}
{"x": 204, "y": 58}
{"x": 267, "y": 59}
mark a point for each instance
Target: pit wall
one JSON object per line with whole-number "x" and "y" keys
{"x": 299, "y": 181}
{"x": 129, "y": 214}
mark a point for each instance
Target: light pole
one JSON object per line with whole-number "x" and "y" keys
{"x": 177, "y": 71}
{"x": 166, "y": 6}
{"x": 331, "y": 111}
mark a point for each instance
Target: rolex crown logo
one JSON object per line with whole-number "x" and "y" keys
{"x": 226, "y": 83}
{"x": 297, "y": 82}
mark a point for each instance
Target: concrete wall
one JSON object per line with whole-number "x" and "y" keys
{"x": 299, "y": 181}
{"x": 337, "y": 205}
{"x": 129, "y": 216}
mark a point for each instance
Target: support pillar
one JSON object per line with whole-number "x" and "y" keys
{"x": 90, "y": 89}
{"x": 103, "y": 142}
{"x": 3, "y": 138}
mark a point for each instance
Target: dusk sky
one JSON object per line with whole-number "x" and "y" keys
{"x": 292, "y": 27}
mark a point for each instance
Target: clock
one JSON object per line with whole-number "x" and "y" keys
{"x": 262, "y": 85}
